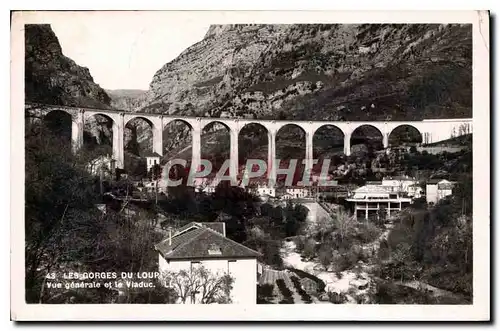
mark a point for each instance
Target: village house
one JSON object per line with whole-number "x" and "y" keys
{"x": 338, "y": 191}
{"x": 437, "y": 189}
{"x": 370, "y": 199}
{"x": 262, "y": 189}
{"x": 152, "y": 158}
{"x": 415, "y": 191}
{"x": 298, "y": 192}
{"x": 205, "y": 244}
{"x": 404, "y": 185}
{"x": 151, "y": 186}
{"x": 208, "y": 189}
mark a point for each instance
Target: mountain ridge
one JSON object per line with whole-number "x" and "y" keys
{"x": 53, "y": 78}
{"x": 320, "y": 71}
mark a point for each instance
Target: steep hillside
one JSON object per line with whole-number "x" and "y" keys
{"x": 338, "y": 72}
{"x": 321, "y": 71}
{"x": 128, "y": 100}
{"x": 52, "y": 78}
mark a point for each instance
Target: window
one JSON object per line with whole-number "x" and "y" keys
{"x": 231, "y": 265}
{"x": 214, "y": 249}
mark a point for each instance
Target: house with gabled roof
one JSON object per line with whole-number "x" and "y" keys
{"x": 152, "y": 158}
{"x": 437, "y": 189}
{"x": 205, "y": 244}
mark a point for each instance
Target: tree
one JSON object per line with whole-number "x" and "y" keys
{"x": 325, "y": 256}
{"x": 200, "y": 285}
{"x": 155, "y": 172}
{"x": 294, "y": 218}
{"x": 345, "y": 223}
{"x": 64, "y": 231}
{"x": 265, "y": 293}
{"x": 381, "y": 216}
{"x": 59, "y": 206}
{"x": 309, "y": 248}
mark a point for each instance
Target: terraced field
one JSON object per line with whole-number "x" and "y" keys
{"x": 269, "y": 276}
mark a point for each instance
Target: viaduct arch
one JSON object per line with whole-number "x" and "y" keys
{"x": 431, "y": 130}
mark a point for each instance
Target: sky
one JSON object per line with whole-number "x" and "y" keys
{"x": 124, "y": 50}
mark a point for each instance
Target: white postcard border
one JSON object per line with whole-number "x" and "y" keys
{"x": 479, "y": 310}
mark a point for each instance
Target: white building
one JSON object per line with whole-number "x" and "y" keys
{"x": 369, "y": 199}
{"x": 262, "y": 189}
{"x": 205, "y": 244}
{"x": 204, "y": 185}
{"x": 152, "y": 158}
{"x": 298, "y": 192}
{"x": 403, "y": 185}
{"x": 415, "y": 191}
{"x": 208, "y": 189}
{"x": 266, "y": 190}
{"x": 437, "y": 189}
{"x": 152, "y": 187}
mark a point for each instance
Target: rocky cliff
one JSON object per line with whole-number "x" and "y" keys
{"x": 320, "y": 71}
{"x": 52, "y": 78}
{"x": 128, "y": 100}
{"x": 337, "y": 72}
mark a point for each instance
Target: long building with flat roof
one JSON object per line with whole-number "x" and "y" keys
{"x": 370, "y": 199}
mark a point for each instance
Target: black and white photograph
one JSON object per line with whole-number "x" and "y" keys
{"x": 252, "y": 160}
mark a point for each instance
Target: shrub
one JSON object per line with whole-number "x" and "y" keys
{"x": 303, "y": 274}
{"x": 325, "y": 255}
{"x": 348, "y": 258}
{"x": 299, "y": 243}
{"x": 368, "y": 232}
{"x": 303, "y": 294}
{"x": 265, "y": 293}
{"x": 309, "y": 250}
{"x": 287, "y": 294}
{"x": 337, "y": 298}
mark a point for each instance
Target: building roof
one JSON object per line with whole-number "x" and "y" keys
{"x": 151, "y": 154}
{"x": 202, "y": 243}
{"x": 445, "y": 186}
{"x": 437, "y": 180}
{"x": 216, "y": 226}
{"x": 398, "y": 178}
{"x": 373, "y": 182}
{"x": 371, "y": 189}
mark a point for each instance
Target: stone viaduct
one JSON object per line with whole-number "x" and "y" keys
{"x": 431, "y": 130}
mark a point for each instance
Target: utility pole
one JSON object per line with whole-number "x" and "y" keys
{"x": 101, "y": 188}
{"x": 156, "y": 191}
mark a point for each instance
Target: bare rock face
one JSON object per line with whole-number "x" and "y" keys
{"x": 208, "y": 71}
{"x": 128, "y": 100}
{"x": 297, "y": 71}
{"x": 54, "y": 79}
{"x": 335, "y": 72}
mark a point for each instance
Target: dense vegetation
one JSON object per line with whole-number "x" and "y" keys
{"x": 66, "y": 232}
{"x": 433, "y": 246}
{"x": 285, "y": 291}
{"x": 303, "y": 294}
{"x": 261, "y": 227}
